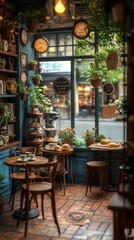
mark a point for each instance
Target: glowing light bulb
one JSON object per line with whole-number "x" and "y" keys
{"x": 59, "y": 7}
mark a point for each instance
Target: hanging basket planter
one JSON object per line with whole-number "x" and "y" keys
{"x": 96, "y": 82}
{"x": 113, "y": 61}
{"x": 118, "y": 12}
{"x": 33, "y": 65}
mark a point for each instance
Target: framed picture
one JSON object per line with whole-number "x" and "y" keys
{"x": 23, "y": 77}
{"x": 23, "y": 59}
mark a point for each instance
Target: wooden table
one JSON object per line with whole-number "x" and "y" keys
{"x": 12, "y": 162}
{"x": 96, "y": 146}
{"x": 123, "y": 215}
{"x": 65, "y": 166}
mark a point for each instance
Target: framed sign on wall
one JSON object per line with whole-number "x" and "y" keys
{"x": 23, "y": 59}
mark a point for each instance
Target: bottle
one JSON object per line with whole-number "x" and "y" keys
{"x": 1, "y": 87}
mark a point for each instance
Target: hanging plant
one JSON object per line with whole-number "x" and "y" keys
{"x": 36, "y": 78}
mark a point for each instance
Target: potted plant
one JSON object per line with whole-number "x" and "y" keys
{"x": 11, "y": 85}
{"x": 89, "y": 136}
{"x": 36, "y": 79}
{"x": 8, "y": 26}
{"x": 118, "y": 10}
{"x": 67, "y": 135}
{"x": 38, "y": 99}
{"x": 2, "y": 178}
{"x": 121, "y": 111}
{"x": 6, "y": 116}
{"x": 33, "y": 65}
{"x": 12, "y": 137}
{"x": 23, "y": 92}
{"x": 2, "y": 63}
{"x": 32, "y": 17}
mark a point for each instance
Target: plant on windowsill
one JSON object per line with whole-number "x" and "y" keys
{"x": 36, "y": 78}
{"x": 2, "y": 178}
{"x": 67, "y": 135}
{"x": 91, "y": 137}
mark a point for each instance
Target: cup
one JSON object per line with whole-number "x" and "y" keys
{"x": 28, "y": 153}
{"x": 31, "y": 156}
{"x": 23, "y": 156}
{"x": 52, "y": 146}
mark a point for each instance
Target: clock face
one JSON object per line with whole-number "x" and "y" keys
{"x": 41, "y": 45}
{"x": 81, "y": 29}
{"x": 24, "y": 36}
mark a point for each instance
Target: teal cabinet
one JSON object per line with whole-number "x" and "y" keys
{"x": 5, "y": 170}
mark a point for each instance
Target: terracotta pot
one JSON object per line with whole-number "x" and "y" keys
{"x": 96, "y": 82}
{"x": 70, "y": 142}
{"x": 33, "y": 67}
{"x": 118, "y": 12}
{"x": 36, "y": 81}
{"x": 23, "y": 96}
{"x": 89, "y": 141}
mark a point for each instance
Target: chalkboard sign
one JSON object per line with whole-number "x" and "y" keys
{"x": 61, "y": 85}
{"x": 108, "y": 88}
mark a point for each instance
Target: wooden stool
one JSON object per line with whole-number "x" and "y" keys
{"x": 102, "y": 167}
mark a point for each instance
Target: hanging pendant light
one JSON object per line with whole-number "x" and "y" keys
{"x": 59, "y": 7}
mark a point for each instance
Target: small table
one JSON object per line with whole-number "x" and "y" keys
{"x": 123, "y": 215}
{"x": 96, "y": 146}
{"x": 12, "y": 161}
{"x": 64, "y": 155}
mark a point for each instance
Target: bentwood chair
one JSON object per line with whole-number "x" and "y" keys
{"x": 30, "y": 190}
{"x": 18, "y": 175}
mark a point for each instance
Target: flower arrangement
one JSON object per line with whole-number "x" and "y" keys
{"x": 89, "y": 134}
{"x": 67, "y": 134}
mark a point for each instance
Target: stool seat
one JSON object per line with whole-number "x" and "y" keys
{"x": 103, "y": 170}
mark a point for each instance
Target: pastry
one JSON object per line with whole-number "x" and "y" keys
{"x": 51, "y": 139}
{"x": 58, "y": 148}
{"x": 105, "y": 141}
{"x": 113, "y": 145}
{"x": 65, "y": 147}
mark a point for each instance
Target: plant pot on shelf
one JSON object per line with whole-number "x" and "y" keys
{"x": 33, "y": 66}
{"x": 113, "y": 61}
{"x": 89, "y": 141}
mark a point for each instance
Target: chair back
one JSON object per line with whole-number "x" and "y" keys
{"x": 50, "y": 168}
{"x": 18, "y": 150}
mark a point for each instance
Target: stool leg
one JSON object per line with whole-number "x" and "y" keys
{"x": 107, "y": 178}
{"x": 101, "y": 173}
{"x": 87, "y": 180}
{"x": 90, "y": 177}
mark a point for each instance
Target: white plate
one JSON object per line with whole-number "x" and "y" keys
{"x": 20, "y": 160}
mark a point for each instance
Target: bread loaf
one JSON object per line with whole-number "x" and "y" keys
{"x": 65, "y": 147}
{"x": 105, "y": 141}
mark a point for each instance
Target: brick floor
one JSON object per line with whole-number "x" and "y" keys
{"x": 96, "y": 223}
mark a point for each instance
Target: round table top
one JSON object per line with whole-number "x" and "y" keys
{"x": 15, "y": 162}
{"x": 60, "y": 153}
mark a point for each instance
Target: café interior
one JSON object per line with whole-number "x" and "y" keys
{"x": 62, "y": 176}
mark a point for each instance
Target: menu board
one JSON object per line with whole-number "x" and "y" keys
{"x": 108, "y": 88}
{"x": 61, "y": 85}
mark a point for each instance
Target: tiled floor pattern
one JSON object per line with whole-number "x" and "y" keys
{"x": 97, "y": 221}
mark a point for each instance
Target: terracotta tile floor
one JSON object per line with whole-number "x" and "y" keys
{"x": 96, "y": 222}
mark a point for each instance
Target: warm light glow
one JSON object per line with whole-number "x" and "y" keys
{"x": 1, "y": 18}
{"x": 59, "y": 7}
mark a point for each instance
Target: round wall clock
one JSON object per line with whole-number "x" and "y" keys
{"x": 81, "y": 29}
{"x": 24, "y": 36}
{"x": 41, "y": 45}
